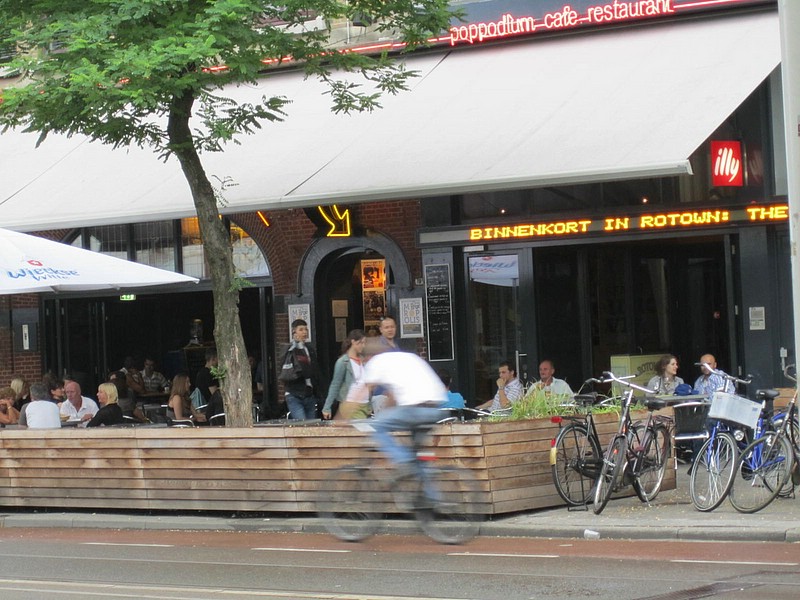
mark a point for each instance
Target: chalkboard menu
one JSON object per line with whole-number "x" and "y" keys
{"x": 440, "y": 312}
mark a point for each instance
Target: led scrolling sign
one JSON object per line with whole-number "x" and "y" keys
{"x": 672, "y": 220}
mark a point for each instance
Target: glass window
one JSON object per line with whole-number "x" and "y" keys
{"x": 248, "y": 261}
{"x": 154, "y": 244}
{"x": 110, "y": 239}
{"x": 194, "y": 258}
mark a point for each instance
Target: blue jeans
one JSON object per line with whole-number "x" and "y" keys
{"x": 301, "y": 409}
{"x": 400, "y": 418}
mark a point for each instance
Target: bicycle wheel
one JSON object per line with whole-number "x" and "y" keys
{"x": 651, "y": 463}
{"x": 347, "y": 505}
{"x": 712, "y": 472}
{"x": 575, "y": 458}
{"x": 449, "y": 511}
{"x": 762, "y": 470}
{"x": 610, "y": 472}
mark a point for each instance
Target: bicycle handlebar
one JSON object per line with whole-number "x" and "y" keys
{"x": 787, "y": 372}
{"x": 609, "y": 377}
{"x": 724, "y": 375}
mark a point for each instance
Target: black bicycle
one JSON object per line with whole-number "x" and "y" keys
{"x": 575, "y": 455}
{"x": 638, "y": 453}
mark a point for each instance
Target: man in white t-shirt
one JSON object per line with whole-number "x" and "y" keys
{"x": 415, "y": 394}
{"x": 549, "y": 383}
{"x": 40, "y": 412}
{"x": 77, "y": 407}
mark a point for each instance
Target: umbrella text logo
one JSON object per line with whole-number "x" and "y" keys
{"x": 42, "y": 274}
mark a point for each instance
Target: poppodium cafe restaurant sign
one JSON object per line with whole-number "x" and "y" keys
{"x": 502, "y": 19}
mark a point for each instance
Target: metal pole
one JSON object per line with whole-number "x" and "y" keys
{"x": 789, "y": 13}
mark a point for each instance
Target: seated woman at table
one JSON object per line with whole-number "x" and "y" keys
{"x": 180, "y": 406}
{"x": 666, "y": 378}
{"x": 8, "y": 414}
{"x": 110, "y": 412}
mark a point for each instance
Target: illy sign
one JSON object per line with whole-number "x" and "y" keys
{"x": 727, "y": 165}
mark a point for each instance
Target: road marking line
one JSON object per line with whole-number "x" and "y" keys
{"x": 736, "y": 562}
{"x": 134, "y": 545}
{"x": 304, "y": 550}
{"x": 113, "y": 590}
{"x": 503, "y": 555}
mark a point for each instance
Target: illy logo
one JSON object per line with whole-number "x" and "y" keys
{"x": 726, "y": 158}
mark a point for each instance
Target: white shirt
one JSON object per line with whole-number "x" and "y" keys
{"x": 514, "y": 391}
{"x": 409, "y": 378}
{"x": 559, "y": 387}
{"x": 41, "y": 414}
{"x": 88, "y": 407}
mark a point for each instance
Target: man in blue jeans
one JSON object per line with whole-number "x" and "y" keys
{"x": 415, "y": 396}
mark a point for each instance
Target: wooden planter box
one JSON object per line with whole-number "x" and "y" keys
{"x": 270, "y": 469}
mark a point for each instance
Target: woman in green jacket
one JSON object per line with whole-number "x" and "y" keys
{"x": 347, "y": 371}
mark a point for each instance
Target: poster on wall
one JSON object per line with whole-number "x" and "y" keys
{"x": 373, "y": 292}
{"x": 411, "y": 318}
{"x": 299, "y": 311}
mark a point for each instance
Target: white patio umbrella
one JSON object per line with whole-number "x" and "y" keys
{"x": 33, "y": 264}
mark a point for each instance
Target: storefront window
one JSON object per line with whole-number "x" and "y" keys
{"x": 194, "y": 258}
{"x": 154, "y": 244}
{"x": 247, "y": 257}
{"x": 111, "y": 240}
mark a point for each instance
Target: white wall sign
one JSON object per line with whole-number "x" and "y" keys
{"x": 299, "y": 311}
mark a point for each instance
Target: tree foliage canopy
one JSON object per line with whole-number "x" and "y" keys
{"x": 106, "y": 68}
{"x": 152, "y": 73}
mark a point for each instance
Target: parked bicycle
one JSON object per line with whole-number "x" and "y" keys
{"x": 575, "y": 455}
{"x": 638, "y": 453}
{"x": 767, "y": 466}
{"x": 711, "y": 475}
{"x": 444, "y": 500}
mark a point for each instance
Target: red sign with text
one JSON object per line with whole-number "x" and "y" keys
{"x": 727, "y": 166}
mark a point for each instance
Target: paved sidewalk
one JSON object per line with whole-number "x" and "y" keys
{"x": 670, "y": 517}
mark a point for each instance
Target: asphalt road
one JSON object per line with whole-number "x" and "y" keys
{"x": 42, "y": 564}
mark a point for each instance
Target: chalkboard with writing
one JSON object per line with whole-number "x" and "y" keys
{"x": 440, "y": 312}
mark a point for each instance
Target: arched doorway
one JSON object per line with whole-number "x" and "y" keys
{"x": 337, "y": 273}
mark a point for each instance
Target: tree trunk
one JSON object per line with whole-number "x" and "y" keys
{"x": 236, "y": 385}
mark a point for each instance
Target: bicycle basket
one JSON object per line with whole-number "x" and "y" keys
{"x": 730, "y": 407}
{"x": 690, "y": 419}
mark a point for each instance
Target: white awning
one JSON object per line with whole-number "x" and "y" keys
{"x": 623, "y": 103}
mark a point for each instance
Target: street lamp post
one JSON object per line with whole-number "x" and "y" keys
{"x": 789, "y": 13}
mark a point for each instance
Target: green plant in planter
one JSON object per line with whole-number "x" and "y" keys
{"x": 538, "y": 403}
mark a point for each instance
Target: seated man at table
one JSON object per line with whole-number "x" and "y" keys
{"x": 509, "y": 389}
{"x": 154, "y": 382}
{"x": 76, "y": 405}
{"x": 550, "y": 384}
{"x": 40, "y": 412}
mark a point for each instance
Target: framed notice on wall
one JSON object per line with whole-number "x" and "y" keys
{"x": 411, "y": 318}
{"x": 440, "y": 312}
{"x": 299, "y": 311}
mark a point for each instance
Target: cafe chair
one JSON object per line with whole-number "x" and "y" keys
{"x": 217, "y": 420}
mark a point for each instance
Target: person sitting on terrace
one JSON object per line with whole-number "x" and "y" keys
{"x": 8, "y": 414}
{"x": 133, "y": 375}
{"x": 40, "y": 412}
{"x": 110, "y": 413}
{"x": 126, "y": 398}
{"x": 666, "y": 378}
{"x": 454, "y": 399}
{"x": 56, "y": 387}
{"x": 180, "y": 406}
{"x": 154, "y": 382}
{"x": 22, "y": 391}
{"x": 550, "y": 384}
{"x": 76, "y": 407}
{"x": 509, "y": 389}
